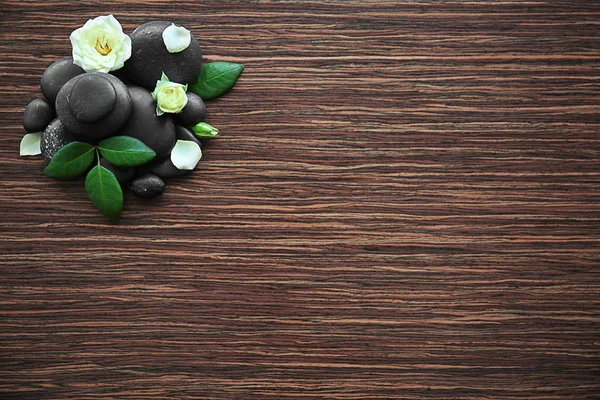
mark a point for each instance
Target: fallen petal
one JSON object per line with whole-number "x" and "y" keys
{"x": 30, "y": 144}
{"x": 176, "y": 38}
{"x": 186, "y": 154}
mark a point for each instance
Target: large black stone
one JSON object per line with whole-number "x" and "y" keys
{"x": 121, "y": 75}
{"x": 56, "y": 75}
{"x": 93, "y": 105}
{"x": 156, "y": 132}
{"x": 150, "y": 57}
{"x": 184, "y": 133}
{"x": 123, "y": 174}
{"x": 54, "y": 137}
{"x": 193, "y": 112}
{"x": 167, "y": 170}
{"x": 37, "y": 115}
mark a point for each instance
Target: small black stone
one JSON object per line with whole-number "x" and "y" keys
{"x": 89, "y": 109}
{"x": 93, "y": 105}
{"x": 150, "y": 57}
{"x": 147, "y": 186}
{"x": 193, "y": 112}
{"x": 123, "y": 174}
{"x": 156, "y": 132}
{"x": 56, "y": 75}
{"x": 54, "y": 137}
{"x": 37, "y": 115}
{"x": 184, "y": 133}
{"x": 166, "y": 170}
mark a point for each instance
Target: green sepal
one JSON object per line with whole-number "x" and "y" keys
{"x": 205, "y": 131}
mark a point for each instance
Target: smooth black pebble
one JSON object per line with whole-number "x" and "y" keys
{"x": 156, "y": 132}
{"x": 147, "y": 186}
{"x": 93, "y": 105}
{"x": 184, "y": 133}
{"x": 54, "y": 137}
{"x": 123, "y": 174}
{"x": 193, "y": 112}
{"x": 37, "y": 115}
{"x": 56, "y": 76}
{"x": 167, "y": 170}
{"x": 150, "y": 57}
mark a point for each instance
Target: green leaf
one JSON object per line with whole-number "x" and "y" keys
{"x": 104, "y": 192}
{"x": 215, "y": 79}
{"x": 70, "y": 161}
{"x": 204, "y": 130}
{"x": 125, "y": 151}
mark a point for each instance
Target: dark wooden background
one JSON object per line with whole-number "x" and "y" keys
{"x": 404, "y": 204}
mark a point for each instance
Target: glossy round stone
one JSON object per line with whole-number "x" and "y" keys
{"x": 93, "y": 105}
{"x": 37, "y": 115}
{"x": 89, "y": 109}
{"x": 123, "y": 174}
{"x": 54, "y": 137}
{"x": 150, "y": 57}
{"x": 147, "y": 186}
{"x": 184, "y": 133}
{"x": 55, "y": 77}
{"x": 193, "y": 112}
{"x": 156, "y": 132}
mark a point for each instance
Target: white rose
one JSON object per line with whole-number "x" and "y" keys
{"x": 170, "y": 96}
{"x": 100, "y": 45}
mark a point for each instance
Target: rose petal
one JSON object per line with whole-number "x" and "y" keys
{"x": 186, "y": 154}
{"x": 176, "y": 38}
{"x": 111, "y": 21}
{"x": 30, "y": 144}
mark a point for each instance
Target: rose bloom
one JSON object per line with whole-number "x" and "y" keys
{"x": 170, "y": 96}
{"x": 100, "y": 45}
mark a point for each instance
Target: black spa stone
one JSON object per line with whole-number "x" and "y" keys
{"x": 54, "y": 137}
{"x": 123, "y": 174}
{"x": 37, "y": 115}
{"x": 166, "y": 170}
{"x": 56, "y": 75}
{"x": 193, "y": 112}
{"x": 121, "y": 75}
{"x": 93, "y": 105}
{"x": 156, "y": 132}
{"x": 184, "y": 133}
{"x": 147, "y": 186}
{"x": 150, "y": 57}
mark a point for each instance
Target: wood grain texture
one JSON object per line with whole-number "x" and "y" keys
{"x": 404, "y": 204}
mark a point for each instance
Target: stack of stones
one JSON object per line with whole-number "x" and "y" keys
{"x": 89, "y": 107}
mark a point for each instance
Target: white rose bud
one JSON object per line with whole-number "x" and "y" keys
{"x": 170, "y": 96}
{"x": 100, "y": 45}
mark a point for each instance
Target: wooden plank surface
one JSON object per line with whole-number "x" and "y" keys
{"x": 404, "y": 204}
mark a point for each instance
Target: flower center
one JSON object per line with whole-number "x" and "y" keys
{"x": 102, "y": 46}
